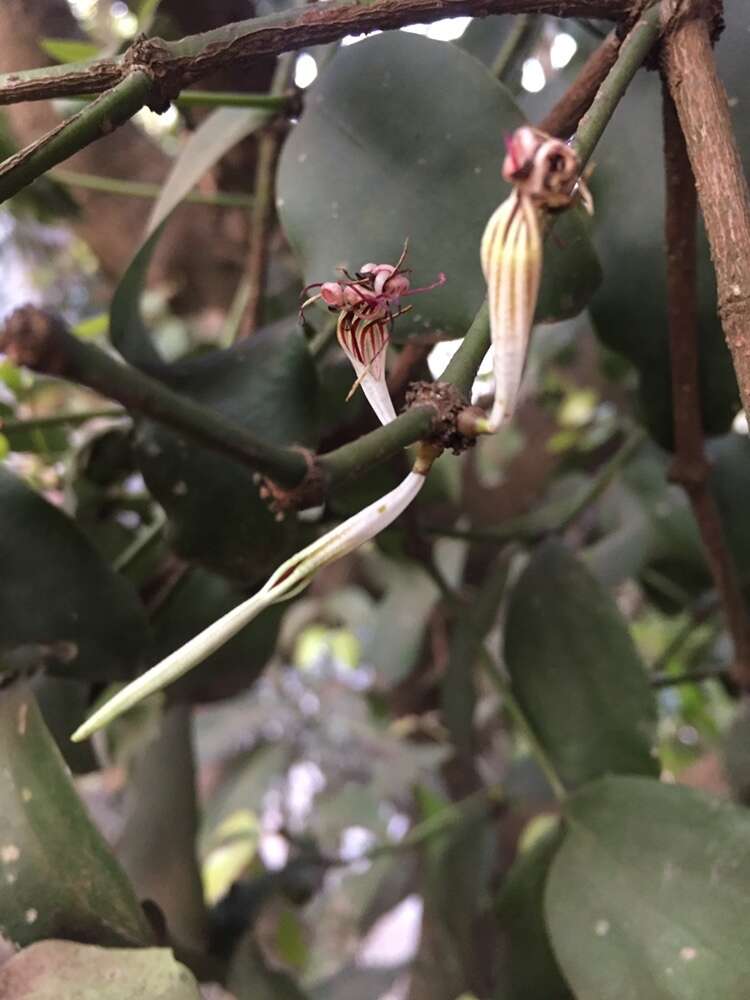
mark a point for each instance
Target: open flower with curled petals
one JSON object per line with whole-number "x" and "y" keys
{"x": 286, "y": 582}
{"x": 545, "y": 173}
{"x": 367, "y": 304}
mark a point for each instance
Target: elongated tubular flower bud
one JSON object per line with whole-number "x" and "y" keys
{"x": 511, "y": 255}
{"x": 287, "y": 581}
{"x": 364, "y": 337}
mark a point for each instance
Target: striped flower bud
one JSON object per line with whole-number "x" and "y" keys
{"x": 545, "y": 173}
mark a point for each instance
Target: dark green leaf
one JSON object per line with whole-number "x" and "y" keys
{"x": 62, "y": 970}
{"x": 531, "y": 970}
{"x": 576, "y": 673}
{"x": 267, "y": 384}
{"x": 649, "y": 894}
{"x": 376, "y": 159}
{"x": 58, "y": 876}
{"x": 221, "y": 130}
{"x": 58, "y": 598}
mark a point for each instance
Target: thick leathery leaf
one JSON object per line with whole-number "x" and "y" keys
{"x": 58, "y": 599}
{"x": 376, "y": 158}
{"x": 576, "y": 672}
{"x": 530, "y": 970}
{"x": 64, "y": 970}
{"x": 57, "y": 875}
{"x": 648, "y": 895}
{"x": 267, "y": 384}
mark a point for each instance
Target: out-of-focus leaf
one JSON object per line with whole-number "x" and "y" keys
{"x": 63, "y": 970}
{"x": 576, "y": 673}
{"x": 375, "y": 159}
{"x": 197, "y": 601}
{"x": 530, "y": 970}
{"x": 59, "y": 596}
{"x": 58, "y": 876}
{"x": 629, "y": 309}
{"x": 484, "y": 37}
{"x": 649, "y": 893}
{"x": 221, "y": 130}
{"x": 65, "y": 50}
{"x": 397, "y": 632}
{"x": 251, "y": 978}
{"x": 267, "y": 384}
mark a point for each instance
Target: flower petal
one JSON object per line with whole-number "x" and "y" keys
{"x": 364, "y": 338}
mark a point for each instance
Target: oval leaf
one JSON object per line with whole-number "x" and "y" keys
{"x": 576, "y": 673}
{"x": 530, "y": 971}
{"x": 267, "y": 384}
{"x": 376, "y": 158}
{"x": 62, "y": 970}
{"x": 57, "y": 875}
{"x": 58, "y": 598}
{"x": 649, "y": 894}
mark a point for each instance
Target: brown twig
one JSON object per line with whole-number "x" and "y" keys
{"x": 269, "y": 146}
{"x": 562, "y": 120}
{"x": 690, "y": 466}
{"x": 703, "y": 111}
{"x": 174, "y": 65}
{"x": 43, "y": 343}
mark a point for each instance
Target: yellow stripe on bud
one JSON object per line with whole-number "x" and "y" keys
{"x": 511, "y": 255}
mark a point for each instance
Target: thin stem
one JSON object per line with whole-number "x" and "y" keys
{"x": 634, "y": 49}
{"x": 351, "y": 459}
{"x": 516, "y": 712}
{"x": 693, "y": 677}
{"x": 509, "y": 50}
{"x": 141, "y": 543}
{"x": 690, "y": 467}
{"x": 269, "y": 146}
{"x": 554, "y": 517}
{"x": 10, "y": 425}
{"x": 562, "y": 120}
{"x": 184, "y": 61}
{"x": 100, "y": 118}
{"x": 233, "y": 99}
{"x": 142, "y": 189}
{"x": 43, "y": 343}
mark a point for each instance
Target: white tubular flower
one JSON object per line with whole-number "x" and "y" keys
{"x": 546, "y": 177}
{"x": 512, "y": 263}
{"x": 287, "y": 581}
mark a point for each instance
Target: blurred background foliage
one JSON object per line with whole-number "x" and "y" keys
{"x": 418, "y": 779}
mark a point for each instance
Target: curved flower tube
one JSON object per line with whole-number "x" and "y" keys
{"x": 287, "y": 581}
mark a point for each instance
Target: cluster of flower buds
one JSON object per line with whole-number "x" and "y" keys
{"x": 368, "y": 303}
{"x": 545, "y": 174}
